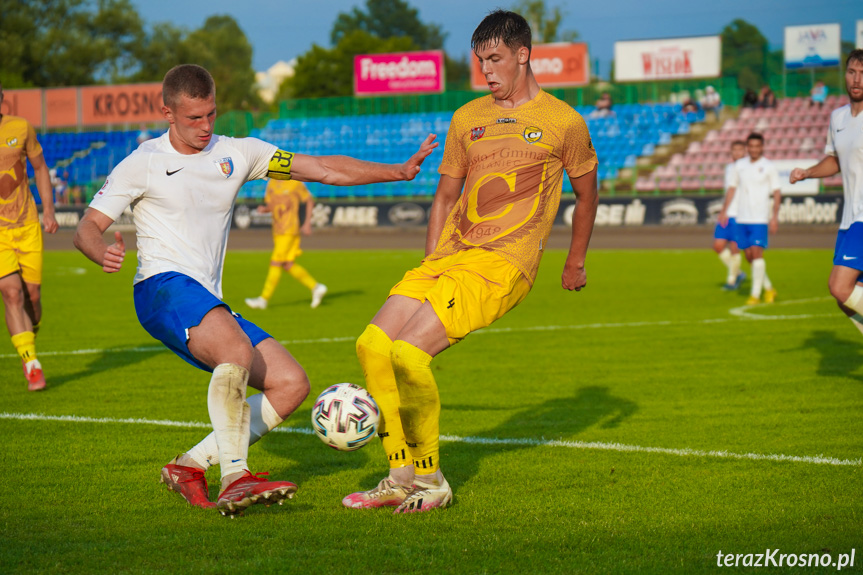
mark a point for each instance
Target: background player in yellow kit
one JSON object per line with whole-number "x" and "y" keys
{"x": 283, "y": 198}
{"x": 21, "y": 238}
{"x": 508, "y": 151}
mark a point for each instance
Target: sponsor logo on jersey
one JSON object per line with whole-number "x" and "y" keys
{"x": 476, "y": 133}
{"x": 532, "y": 134}
{"x": 226, "y": 166}
{"x": 506, "y": 120}
{"x": 103, "y": 188}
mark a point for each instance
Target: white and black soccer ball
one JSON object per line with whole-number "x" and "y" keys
{"x": 345, "y": 416}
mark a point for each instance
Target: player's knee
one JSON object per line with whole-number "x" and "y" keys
{"x": 13, "y": 295}
{"x": 34, "y": 293}
{"x": 841, "y": 291}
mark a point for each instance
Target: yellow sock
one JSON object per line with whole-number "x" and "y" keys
{"x": 273, "y": 277}
{"x": 373, "y": 351}
{"x": 25, "y": 345}
{"x": 420, "y": 404}
{"x": 302, "y": 276}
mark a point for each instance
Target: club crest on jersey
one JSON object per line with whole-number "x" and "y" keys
{"x": 12, "y": 142}
{"x": 226, "y": 166}
{"x": 476, "y": 133}
{"x": 532, "y": 134}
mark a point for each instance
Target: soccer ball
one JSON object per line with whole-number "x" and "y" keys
{"x": 345, "y": 416}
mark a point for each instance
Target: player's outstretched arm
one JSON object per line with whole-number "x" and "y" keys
{"x": 348, "y": 171}
{"x": 583, "y": 218}
{"x": 828, "y": 166}
{"x": 90, "y": 241}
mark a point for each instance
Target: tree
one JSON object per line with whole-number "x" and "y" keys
{"x": 67, "y": 42}
{"x": 160, "y": 51}
{"x": 745, "y": 54}
{"x": 221, "y": 47}
{"x": 544, "y": 22}
{"x": 389, "y": 19}
{"x": 321, "y": 72}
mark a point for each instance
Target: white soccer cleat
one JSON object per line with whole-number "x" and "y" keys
{"x": 317, "y": 295}
{"x": 426, "y": 496}
{"x": 388, "y": 493}
{"x": 256, "y": 302}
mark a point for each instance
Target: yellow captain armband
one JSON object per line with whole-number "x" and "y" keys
{"x": 279, "y": 167}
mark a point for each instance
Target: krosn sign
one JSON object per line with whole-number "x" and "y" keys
{"x": 558, "y": 64}
{"x": 404, "y": 72}
{"x": 816, "y": 46}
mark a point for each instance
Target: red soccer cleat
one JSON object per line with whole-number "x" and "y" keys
{"x": 188, "y": 482}
{"x": 34, "y": 375}
{"x": 250, "y": 489}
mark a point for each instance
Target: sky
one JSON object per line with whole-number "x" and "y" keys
{"x": 282, "y": 30}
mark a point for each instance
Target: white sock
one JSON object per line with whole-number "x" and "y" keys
{"x": 855, "y": 300}
{"x": 759, "y": 272}
{"x": 726, "y": 258}
{"x": 735, "y": 268}
{"x": 264, "y": 419}
{"x": 230, "y": 416}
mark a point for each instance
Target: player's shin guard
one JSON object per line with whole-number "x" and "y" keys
{"x": 855, "y": 300}
{"x": 263, "y": 418}
{"x": 725, "y": 257}
{"x": 303, "y": 276}
{"x": 373, "y": 351}
{"x": 230, "y": 415}
{"x": 420, "y": 404}
{"x": 273, "y": 277}
{"x": 734, "y": 271}
{"x": 25, "y": 345}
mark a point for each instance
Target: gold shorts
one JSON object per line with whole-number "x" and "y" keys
{"x": 468, "y": 290}
{"x": 21, "y": 249}
{"x": 286, "y": 248}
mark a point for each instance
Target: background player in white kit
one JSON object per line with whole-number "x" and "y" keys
{"x": 844, "y": 152}
{"x": 753, "y": 182}
{"x": 182, "y": 187}
{"x": 725, "y": 237}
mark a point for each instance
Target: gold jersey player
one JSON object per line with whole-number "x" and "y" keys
{"x": 498, "y": 195}
{"x": 283, "y": 198}
{"x": 21, "y": 238}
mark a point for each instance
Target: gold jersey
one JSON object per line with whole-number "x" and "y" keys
{"x": 284, "y": 198}
{"x": 17, "y": 143}
{"x": 513, "y": 162}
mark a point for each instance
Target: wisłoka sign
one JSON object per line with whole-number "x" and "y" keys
{"x": 669, "y": 59}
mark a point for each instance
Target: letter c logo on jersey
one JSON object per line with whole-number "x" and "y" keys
{"x": 532, "y": 134}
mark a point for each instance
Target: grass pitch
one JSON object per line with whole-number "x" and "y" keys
{"x": 640, "y": 426}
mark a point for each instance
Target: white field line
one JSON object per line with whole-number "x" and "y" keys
{"x": 593, "y": 445}
{"x": 738, "y": 313}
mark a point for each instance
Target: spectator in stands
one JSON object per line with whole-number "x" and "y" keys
{"x": 21, "y": 238}
{"x": 603, "y": 107}
{"x": 750, "y": 99}
{"x": 818, "y": 94}
{"x": 711, "y": 102}
{"x": 76, "y": 196}
{"x": 59, "y": 186}
{"x": 766, "y": 98}
{"x": 689, "y": 105}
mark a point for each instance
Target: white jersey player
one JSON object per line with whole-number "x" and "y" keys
{"x": 844, "y": 153}
{"x": 725, "y": 236}
{"x": 754, "y": 182}
{"x": 182, "y": 189}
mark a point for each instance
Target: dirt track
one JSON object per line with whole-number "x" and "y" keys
{"x": 648, "y": 237}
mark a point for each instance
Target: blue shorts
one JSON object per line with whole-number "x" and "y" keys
{"x": 749, "y": 235}
{"x": 170, "y": 303}
{"x": 728, "y": 233}
{"x": 849, "y": 247}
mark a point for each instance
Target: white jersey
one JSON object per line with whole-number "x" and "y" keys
{"x": 731, "y": 212}
{"x": 183, "y": 204}
{"x": 755, "y": 183}
{"x": 845, "y": 142}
